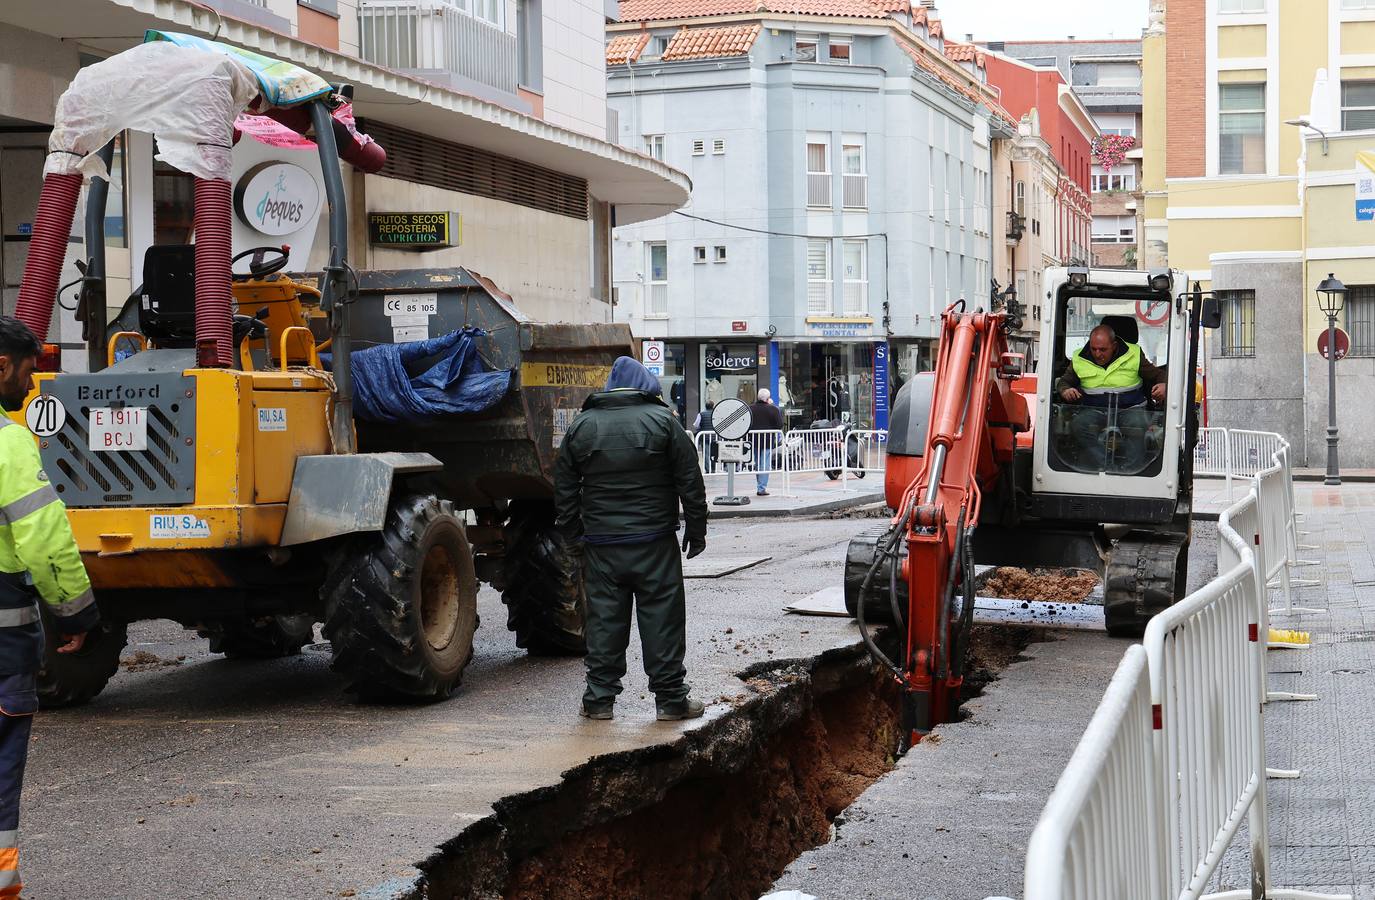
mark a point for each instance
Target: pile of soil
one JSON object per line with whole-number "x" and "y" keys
{"x": 1053, "y": 585}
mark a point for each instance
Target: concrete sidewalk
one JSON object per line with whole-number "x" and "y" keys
{"x": 807, "y": 494}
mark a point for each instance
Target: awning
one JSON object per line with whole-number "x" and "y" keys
{"x": 638, "y": 186}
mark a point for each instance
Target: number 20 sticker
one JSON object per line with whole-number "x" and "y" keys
{"x": 45, "y": 416}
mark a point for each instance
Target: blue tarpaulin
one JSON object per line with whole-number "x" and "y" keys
{"x": 456, "y": 384}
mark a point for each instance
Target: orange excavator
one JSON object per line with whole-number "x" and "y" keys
{"x": 990, "y": 465}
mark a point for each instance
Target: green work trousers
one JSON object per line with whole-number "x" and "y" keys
{"x": 651, "y": 577}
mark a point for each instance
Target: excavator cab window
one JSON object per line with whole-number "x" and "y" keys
{"x": 1103, "y": 417}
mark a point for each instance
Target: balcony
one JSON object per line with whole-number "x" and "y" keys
{"x": 818, "y": 298}
{"x": 819, "y": 189}
{"x": 854, "y": 190}
{"x": 438, "y": 41}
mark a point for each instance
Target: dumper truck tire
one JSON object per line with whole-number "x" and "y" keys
{"x": 260, "y": 637}
{"x": 70, "y": 679}
{"x": 546, "y": 605}
{"x": 401, "y": 605}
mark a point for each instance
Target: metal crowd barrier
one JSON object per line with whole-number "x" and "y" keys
{"x": 803, "y": 451}
{"x": 1205, "y": 665}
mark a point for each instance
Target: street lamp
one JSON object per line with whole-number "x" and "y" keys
{"x": 1331, "y": 297}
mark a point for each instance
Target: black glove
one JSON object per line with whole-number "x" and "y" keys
{"x": 694, "y": 546}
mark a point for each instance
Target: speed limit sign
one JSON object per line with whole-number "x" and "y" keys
{"x": 652, "y": 352}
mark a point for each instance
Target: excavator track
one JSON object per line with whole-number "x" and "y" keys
{"x": 1145, "y": 574}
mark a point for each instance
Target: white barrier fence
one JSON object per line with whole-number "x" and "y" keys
{"x": 1234, "y": 454}
{"x": 1203, "y": 732}
{"x": 839, "y": 453}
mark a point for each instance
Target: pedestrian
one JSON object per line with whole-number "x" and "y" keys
{"x": 622, "y": 470}
{"x": 766, "y": 417}
{"x": 39, "y": 563}
{"x": 702, "y": 425}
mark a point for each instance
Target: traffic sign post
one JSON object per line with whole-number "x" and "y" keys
{"x": 731, "y": 420}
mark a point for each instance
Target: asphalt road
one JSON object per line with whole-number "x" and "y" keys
{"x": 196, "y": 776}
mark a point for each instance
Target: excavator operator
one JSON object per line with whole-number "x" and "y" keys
{"x": 1109, "y": 376}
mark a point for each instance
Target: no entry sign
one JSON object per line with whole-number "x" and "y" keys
{"x": 1343, "y": 342}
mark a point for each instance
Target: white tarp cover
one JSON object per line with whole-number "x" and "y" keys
{"x": 186, "y": 98}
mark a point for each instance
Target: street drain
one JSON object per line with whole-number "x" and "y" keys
{"x": 718, "y": 813}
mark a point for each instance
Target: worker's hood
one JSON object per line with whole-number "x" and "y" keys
{"x": 628, "y": 375}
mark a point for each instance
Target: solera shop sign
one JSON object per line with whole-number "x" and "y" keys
{"x": 414, "y": 230}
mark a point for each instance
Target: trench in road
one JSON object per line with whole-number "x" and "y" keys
{"x": 718, "y": 813}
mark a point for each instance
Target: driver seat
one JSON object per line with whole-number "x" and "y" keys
{"x": 1125, "y": 327}
{"x": 167, "y": 302}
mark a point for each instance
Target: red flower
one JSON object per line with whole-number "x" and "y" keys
{"x": 1111, "y": 149}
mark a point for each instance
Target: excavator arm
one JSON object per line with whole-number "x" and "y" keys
{"x": 975, "y": 417}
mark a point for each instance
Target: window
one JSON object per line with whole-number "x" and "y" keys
{"x": 1241, "y": 129}
{"x": 699, "y": 254}
{"x": 1360, "y": 319}
{"x": 1020, "y": 202}
{"x": 720, "y": 253}
{"x": 1242, "y": 6}
{"x": 491, "y": 11}
{"x": 948, "y": 165}
{"x": 654, "y": 146}
{"x": 853, "y": 177}
{"x": 116, "y": 234}
{"x": 530, "y": 44}
{"x": 718, "y": 146}
{"x": 818, "y": 277}
{"x": 699, "y": 148}
{"x": 1358, "y": 4}
{"x": 960, "y": 200}
{"x": 658, "y": 282}
{"x": 806, "y": 48}
{"x": 1238, "y": 322}
{"x": 931, "y": 185}
{"x": 818, "y": 170}
{"x": 856, "y": 273}
{"x": 1119, "y": 180}
{"x": 1114, "y": 229}
{"x": 1358, "y": 105}
{"x": 655, "y": 48}
{"x": 838, "y": 50}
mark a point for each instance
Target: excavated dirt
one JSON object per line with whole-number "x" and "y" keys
{"x": 1053, "y": 585}
{"x": 720, "y": 812}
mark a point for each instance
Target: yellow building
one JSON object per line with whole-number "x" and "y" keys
{"x": 1255, "y": 111}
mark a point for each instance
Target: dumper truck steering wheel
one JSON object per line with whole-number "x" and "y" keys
{"x": 258, "y": 266}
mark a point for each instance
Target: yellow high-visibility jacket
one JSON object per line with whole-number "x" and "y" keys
{"x": 39, "y": 559}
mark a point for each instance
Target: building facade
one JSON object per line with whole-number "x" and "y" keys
{"x": 509, "y": 147}
{"x": 1257, "y": 113}
{"x": 1106, "y": 77}
{"x": 842, "y": 193}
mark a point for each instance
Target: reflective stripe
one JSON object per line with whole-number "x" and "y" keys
{"x": 73, "y": 606}
{"x": 9, "y": 879}
{"x": 29, "y": 503}
{"x": 1113, "y": 390}
{"x": 13, "y": 618}
{"x": 9, "y": 839}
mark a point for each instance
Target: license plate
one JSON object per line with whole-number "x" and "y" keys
{"x": 125, "y": 428}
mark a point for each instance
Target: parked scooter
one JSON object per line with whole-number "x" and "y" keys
{"x": 802, "y": 451}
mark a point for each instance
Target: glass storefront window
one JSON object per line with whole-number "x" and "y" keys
{"x": 674, "y": 380}
{"x": 729, "y": 370}
{"x": 115, "y": 232}
{"x": 174, "y": 204}
{"x": 832, "y": 381}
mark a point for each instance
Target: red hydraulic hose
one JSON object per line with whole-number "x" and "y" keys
{"x": 214, "y": 296}
{"x": 52, "y": 227}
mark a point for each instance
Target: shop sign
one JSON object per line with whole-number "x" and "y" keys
{"x": 881, "y": 386}
{"x": 1365, "y": 186}
{"x": 276, "y": 198}
{"x": 819, "y": 326}
{"x": 739, "y": 326}
{"x": 414, "y": 230}
{"x": 728, "y": 360}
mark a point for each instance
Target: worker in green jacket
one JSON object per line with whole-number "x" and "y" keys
{"x": 1110, "y": 380}
{"x": 39, "y": 564}
{"x": 623, "y": 468}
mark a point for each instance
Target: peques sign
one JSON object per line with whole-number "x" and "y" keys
{"x": 276, "y": 198}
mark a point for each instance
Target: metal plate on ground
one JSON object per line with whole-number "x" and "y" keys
{"x": 987, "y": 611}
{"x": 719, "y": 566}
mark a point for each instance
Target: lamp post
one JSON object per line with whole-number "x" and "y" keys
{"x": 1331, "y": 297}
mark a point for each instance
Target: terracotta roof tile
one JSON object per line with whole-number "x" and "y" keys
{"x": 929, "y": 66}
{"x": 937, "y": 29}
{"x": 648, "y": 10}
{"x": 625, "y": 48}
{"x": 709, "y": 43}
{"x": 965, "y": 53}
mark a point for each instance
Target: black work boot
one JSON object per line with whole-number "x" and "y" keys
{"x": 687, "y": 708}
{"x": 599, "y": 711}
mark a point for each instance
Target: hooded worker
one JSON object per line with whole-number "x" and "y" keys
{"x": 623, "y": 468}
